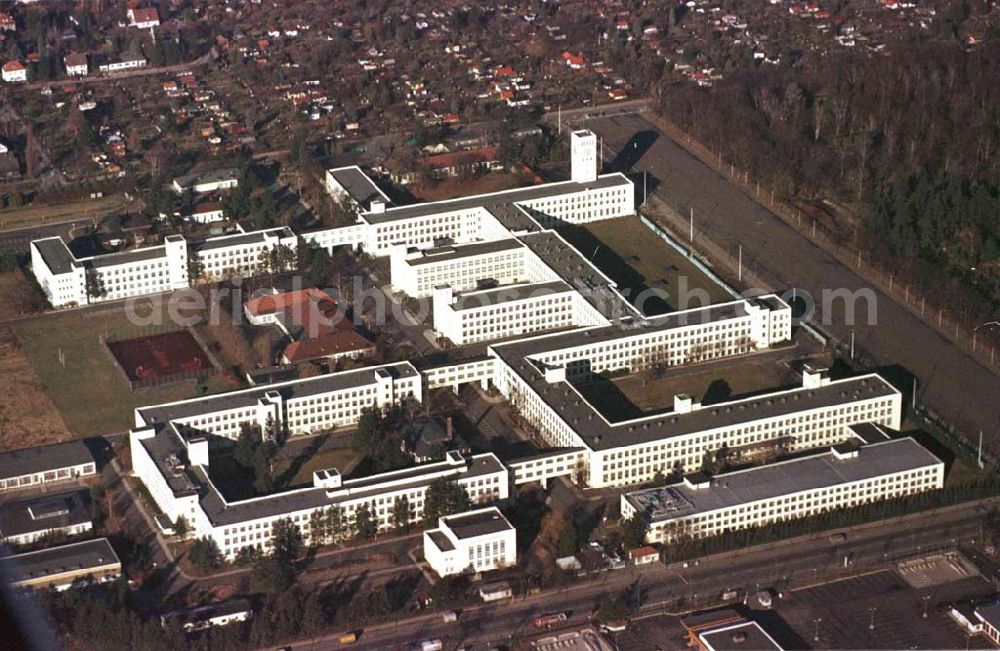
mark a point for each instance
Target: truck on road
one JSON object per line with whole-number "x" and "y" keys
{"x": 546, "y": 621}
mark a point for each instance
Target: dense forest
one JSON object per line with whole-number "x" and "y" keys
{"x": 908, "y": 141}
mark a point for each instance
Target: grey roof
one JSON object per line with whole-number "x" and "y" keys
{"x": 358, "y": 185}
{"x": 126, "y": 257}
{"x": 222, "y": 514}
{"x": 197, "y": 177}
{"x": 477, "y": 523}
{"x": 869, "y": 432}
{"x": 989, "y": 613}
{"x": 292, "y": 389}
{"x": 80, "y": 557}
{"x": 55, "y": 511}
{"x": 578, "y": 271}
{"x": 599, "y": 434}
{"x": 506, "y": 196}
{"x": 459, "y": 251}
{"x": 56, "y": 254}
{"x": 242, "y": 239}
{"x": 209, "y": 611}
{"x": 783, "y": 478}
{"x": 441, "y": 540}
{"x": 47, "y": 457}
{"x": 508, "y": 294}
{"x": 745, "y": 636}
{"x": 513, "y": 217}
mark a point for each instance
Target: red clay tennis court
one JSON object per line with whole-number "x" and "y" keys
{"x": 160, "y": 358}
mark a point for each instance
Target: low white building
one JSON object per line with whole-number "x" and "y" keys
{"x": 847, "y": 475}
{"x": 14, "y": 72}
{"x": 122, "y": 62}
{"x": 47, "y": 464}
{"x": 76, "y": 64}
{"x": 26, "y": 521}
{"x": 475, "y": 541}
{"x": 63, "y": 566}
{"x": 209, "y": 615}
{"x": 203, "y": 181}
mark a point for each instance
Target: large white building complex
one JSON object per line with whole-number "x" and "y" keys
{"x": 551, "y": 321}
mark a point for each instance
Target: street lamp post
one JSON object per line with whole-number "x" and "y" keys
{"x": 817, "y": 621}
{"x": 871, "y": 620}
{"x": 927, "y": 600}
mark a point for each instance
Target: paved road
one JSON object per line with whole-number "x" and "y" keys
{"x": 18, "y": 240}
{"x": 952, "y": 383}
{"x": 802, "y": 563}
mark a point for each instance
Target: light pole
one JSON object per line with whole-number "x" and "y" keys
{"x": 975, "y": 331}
{"x": 927, "y": 600}
{"x": 817, "y": 621}
{"x": 871, "y": 620}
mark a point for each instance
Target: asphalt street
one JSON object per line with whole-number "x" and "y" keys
{"x": 951, "y": 383}
{"x": 800, "y": 564}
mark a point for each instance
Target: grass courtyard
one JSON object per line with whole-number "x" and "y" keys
{"x": 89, "y": 389}
{"x": 635, "y": 258}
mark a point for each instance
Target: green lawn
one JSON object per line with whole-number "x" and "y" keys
{"x": 305, "y": 464}
{"x": 635, "y": 258}
{"x": 89, "y": 391}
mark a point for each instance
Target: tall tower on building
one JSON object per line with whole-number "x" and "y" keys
{"x": 583, "y": 156}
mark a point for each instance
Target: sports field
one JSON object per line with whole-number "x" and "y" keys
{"x": 160, "y": 357}
{"x": 75, "y": 368}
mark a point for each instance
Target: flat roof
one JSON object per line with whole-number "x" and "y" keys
{"x": 440, "y": 540}
{"x": 459, "y": 251}
{"x": 358, "y": 185}
{"x": 55, "y": 254}
{"x": 571, "y": 265}
{"x": 515, "y": 195}
{"x": 508, "y": 293}
{"x": 289, "y": 390}
{"x": 47, "y": 457}
{"x": 477, "y": 523}
{"x": 126, "y": 257}
{"x": 210, "y": 611}
{"x": 78, "y": 558}
{"x": 783, "y": 478}
{"x": 197, "y": 177}
{"x": 222, "y": 514}
{"x": 989, "y": 613}
{"x": 240, "y": 239}
{"x": 513, "y": 217}
{"x": 739, "y": 637}
{"x": 55, "y": 511}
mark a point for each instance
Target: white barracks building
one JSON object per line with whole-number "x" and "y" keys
{"x": 148, "y": 270}
{"x": 494, "y": 270}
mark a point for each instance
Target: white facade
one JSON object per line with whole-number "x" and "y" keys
{"x": 417, "y": 272}
{"x": 48, "y": 464}
{"x": 475, "y": 541}
{"x": 240, "y": 253}
{"x": 149, "y": 270}
{"x": 583, "y": 156}
{"x": 12, "y": 73}
{"x": 127, "y": 63}
{"x": 844, "y": 477}
{"x": 507, "y": 311}
{"x": 299, "y": 406}
{"x": 63, "y": 276}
